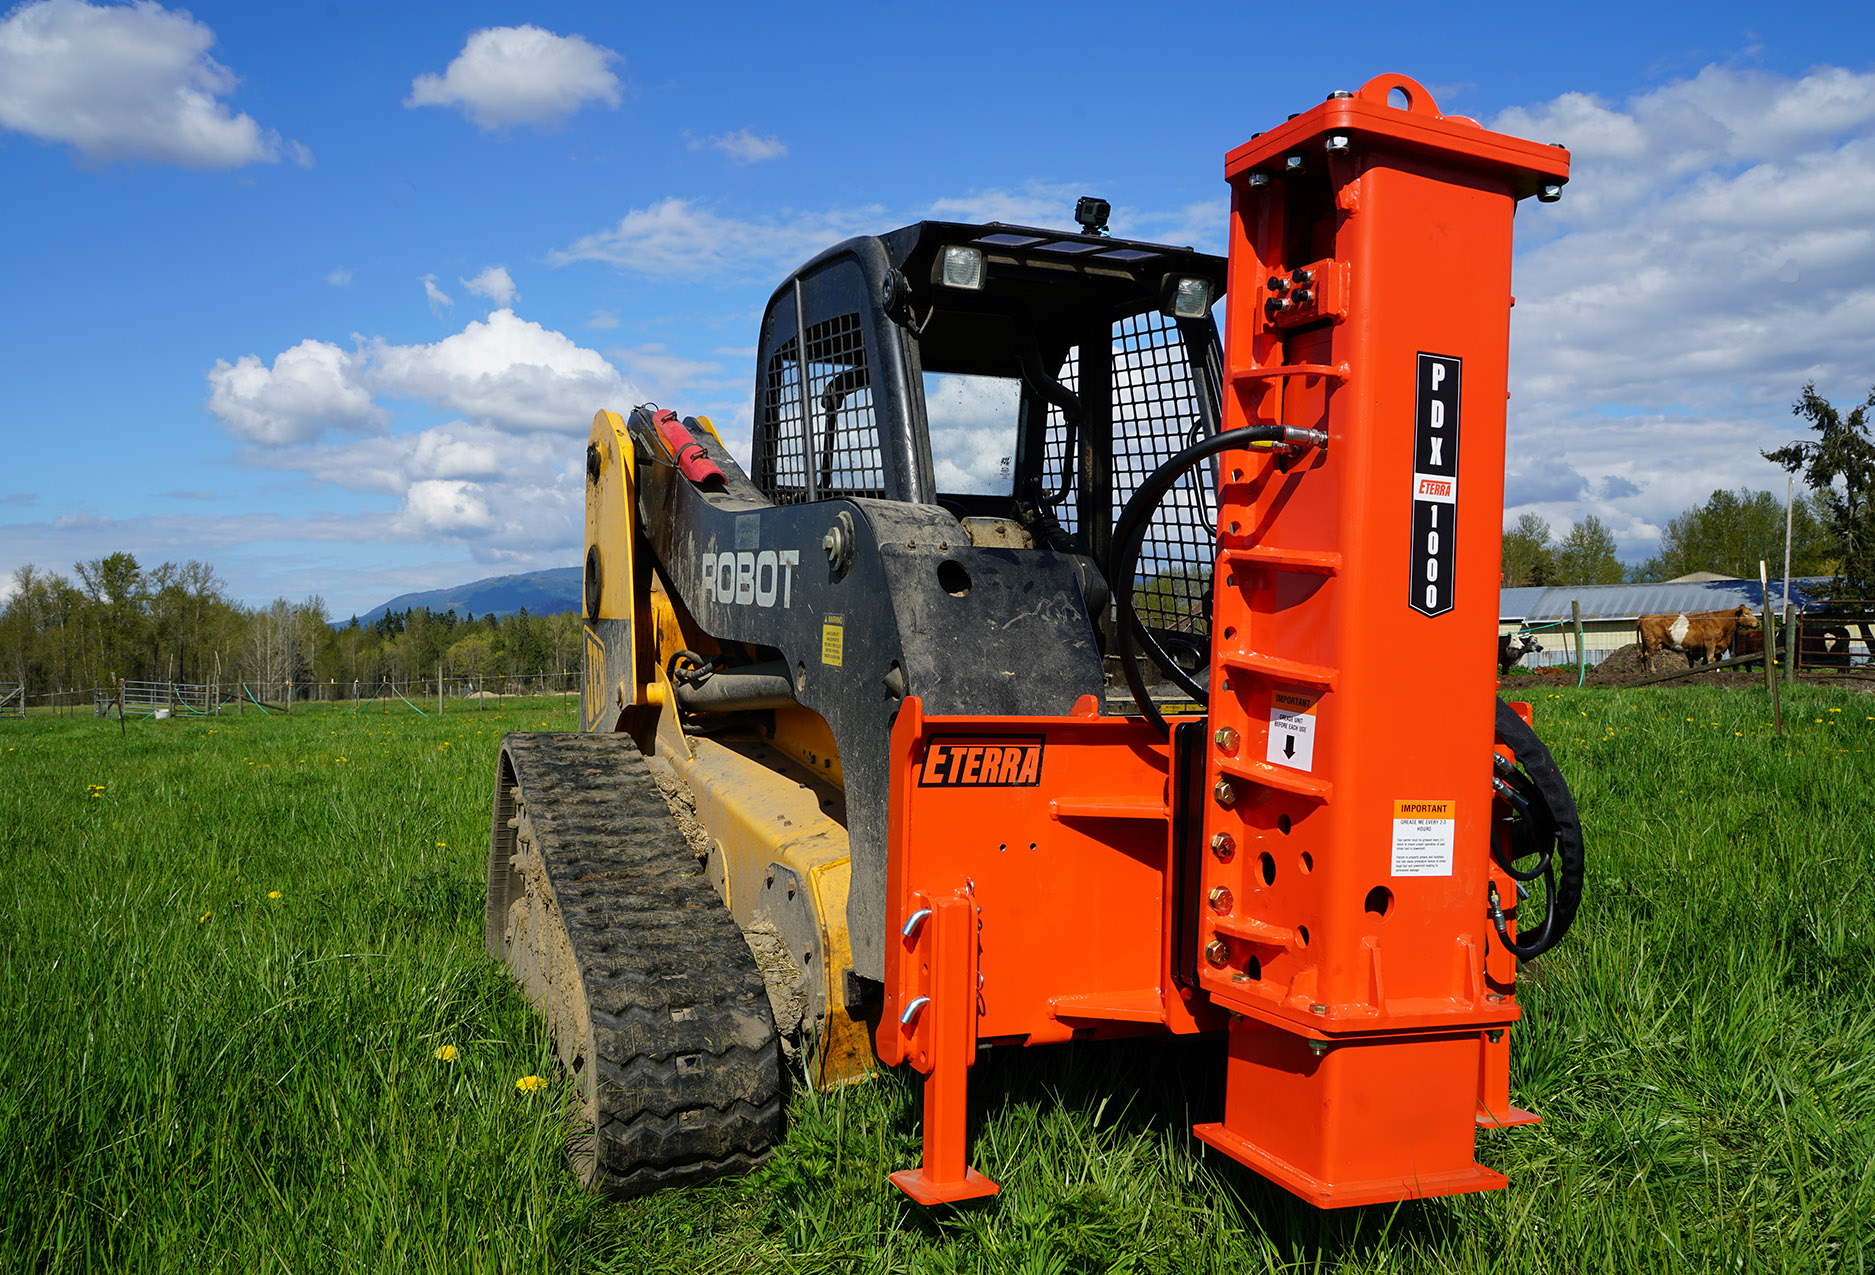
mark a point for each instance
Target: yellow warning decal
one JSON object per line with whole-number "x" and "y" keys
{"x": 833, "y": 640}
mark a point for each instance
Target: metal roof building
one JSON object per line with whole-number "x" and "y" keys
{"x": 1610, "y": 610}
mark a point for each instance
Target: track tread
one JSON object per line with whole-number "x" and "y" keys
{"x": 688, "y": 1066}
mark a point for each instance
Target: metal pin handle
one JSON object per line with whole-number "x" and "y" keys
{"x": 911, "y": 1010}
{"x": 913, "y": 921}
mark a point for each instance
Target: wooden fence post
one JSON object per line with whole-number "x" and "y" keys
{"x": 1792, "y": 647}
{"x": 1582, "y": 658}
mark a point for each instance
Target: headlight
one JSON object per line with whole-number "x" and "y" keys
{"x": 963, "y": 268}
{"x": 1191, "y": 298}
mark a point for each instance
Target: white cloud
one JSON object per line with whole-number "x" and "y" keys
{"x": 602, "y": 319}
{"x": 508, "y": 372}
{"x": 1714, "y": 249}
{"x": 310, "y": 388}
{"x": 495, "y": 284}
{"x": 743, "y": 146}
{"x": 126, "y": 82}
{"x": 675, "y": 238}
{"x": 506, "y": 76}
{"x": 438, "y": 299}
{"x": 447, "y": 506}
{"x": 339, "y": 277}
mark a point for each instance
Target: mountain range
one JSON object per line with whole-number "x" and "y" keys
{"x": 541, "y": 592}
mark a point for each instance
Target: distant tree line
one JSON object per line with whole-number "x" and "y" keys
{"x": 172, "y": 622}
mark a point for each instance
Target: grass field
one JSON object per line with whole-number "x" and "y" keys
{"x": 230, "y": 951}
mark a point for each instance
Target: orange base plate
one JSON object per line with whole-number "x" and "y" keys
{"x": 913, "y": 1183}
{"x": 1336, "y": 1195}
{"x": 1512, "y": 1117}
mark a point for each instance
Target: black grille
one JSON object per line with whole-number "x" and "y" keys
{"x": 779, "y": 472}
{"x": 1155, "y": 416}
{"x": 846, "y": 435}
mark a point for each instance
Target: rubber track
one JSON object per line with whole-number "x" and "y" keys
{"x": 689, "y": 1068}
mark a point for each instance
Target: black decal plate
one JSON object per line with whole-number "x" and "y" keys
{"x": 1435, "y": 486}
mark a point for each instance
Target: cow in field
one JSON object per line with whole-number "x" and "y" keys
{"x": 1701, "y": 636}
{"x": 1512, "y": 647}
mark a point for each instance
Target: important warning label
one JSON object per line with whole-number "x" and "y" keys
{"x": 1424, "y": 833}
{"x": 1292, "y": 729}
{"x": 833, "y": 640}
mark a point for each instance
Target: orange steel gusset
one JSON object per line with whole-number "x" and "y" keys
{"x": 1369, "y": 298}
{"x": 1311, "y": 870}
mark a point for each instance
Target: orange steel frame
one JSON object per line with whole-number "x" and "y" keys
{"x": 1344, "y": 938}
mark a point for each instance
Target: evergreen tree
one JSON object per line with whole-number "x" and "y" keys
{"x": 1839, "y": 466}
{"x": 1587, "y": 555}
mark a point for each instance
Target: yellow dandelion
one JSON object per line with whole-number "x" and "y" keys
{"x": 1835, "y": 710}
{"x": 341, "y": 759}
{"x": 446, "y": 1053}
{"x": 273, "y": 894}
{"x": 530, "y": 1084}
{"x": 204, "y": 916}
{"x": 442, "y": 845}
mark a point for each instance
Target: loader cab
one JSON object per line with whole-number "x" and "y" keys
{"x": 1027, "y": 380}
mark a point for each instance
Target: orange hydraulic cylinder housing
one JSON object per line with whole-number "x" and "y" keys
{"x": 1347, "y": 820}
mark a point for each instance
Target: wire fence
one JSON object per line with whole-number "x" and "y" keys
{"x": 155, "y": 699}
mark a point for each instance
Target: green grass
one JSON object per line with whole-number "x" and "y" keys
{"x": 197, "y": 1076}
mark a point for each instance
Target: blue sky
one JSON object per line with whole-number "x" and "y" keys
{"x": 327, "y": 295}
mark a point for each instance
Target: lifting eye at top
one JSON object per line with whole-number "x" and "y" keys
{"x": 963, "y": 267}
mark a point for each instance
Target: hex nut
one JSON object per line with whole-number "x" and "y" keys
{"x": 1217, "y": 952}
{"x": 1219, "y": 899}
{"x": 1223, "y": 845}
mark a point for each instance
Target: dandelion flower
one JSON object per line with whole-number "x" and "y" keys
{"x": 445, "y": 1053}
{"x": 204, "y": 916}
{"x": 530, "y": 1084}
{"x": 442, "y": 845}
{"x": 273, "y": 894}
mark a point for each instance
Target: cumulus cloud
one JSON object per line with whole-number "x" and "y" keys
{"x": 1714, "y": 250}
{"x": 438, "y": 299}
{"x": 310, "y": 388}
{"x": 742, "y": 146}
{"x": 495, "y": 284}
{"x": 676, "y": 238}
{"x": 507, "y": 76}
{"x": 126, "y": 82}
{"x": 507, "y": 372}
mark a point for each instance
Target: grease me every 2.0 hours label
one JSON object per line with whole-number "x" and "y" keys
{"x": 1424, "y": 835}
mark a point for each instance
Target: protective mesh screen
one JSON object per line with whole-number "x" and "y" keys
{"x": 846, "y": 434}
{"x": 779, "y": 472}
{"x": 1155, "y": 415}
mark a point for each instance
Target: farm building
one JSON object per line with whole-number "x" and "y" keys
{"x": 1609, "y": 611}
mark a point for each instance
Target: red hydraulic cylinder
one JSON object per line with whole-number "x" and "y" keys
{"x": 1349, "y": 799}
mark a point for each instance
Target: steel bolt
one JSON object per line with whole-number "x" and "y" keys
{"x": 1257, "y": 179}
{"x": 1549, "y": 194}
{"x": 1305, "y": 297}
{"x": 1318, "y": 1009}
{"x": 1227, "y": 739}
{"x": 1337, "y": 145}
{"x": 1339, "y": 93}
{"x": 1217, "y": 952}
{"x": 1292, "y": 164}
{"x": 1495, "y": 1035}
{"x": 1219, "y": 898}
{"x": 1318, "y": 1047}
{"x": 1303, "y": 276}
{"x": 1278, "y": 283}
{"x": 1225, "y": 792}
{"x": 1223, "y": 845}
{"x": 834, "y": 542}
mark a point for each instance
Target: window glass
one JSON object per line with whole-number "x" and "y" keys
{"x": 973, "y": 431}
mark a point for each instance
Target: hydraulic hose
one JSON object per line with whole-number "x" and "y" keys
{"x": 1129, "y": 535}
{"x": 1543, "y": 823}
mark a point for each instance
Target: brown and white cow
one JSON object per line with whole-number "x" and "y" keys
{"x": 1700, "y": 636}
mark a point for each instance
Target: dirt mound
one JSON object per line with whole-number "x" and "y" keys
{"x": 1626, "y": 664}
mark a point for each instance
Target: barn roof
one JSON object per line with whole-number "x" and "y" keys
{"x": 1626, "y": 601}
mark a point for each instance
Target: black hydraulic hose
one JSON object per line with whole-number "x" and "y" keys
{"x": 1129, "y": 535}
{"x": 1556, "y": 834}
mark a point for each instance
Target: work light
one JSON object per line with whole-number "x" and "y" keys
{"x": 963, "y": 267}
{"x": 1191, "y": 298}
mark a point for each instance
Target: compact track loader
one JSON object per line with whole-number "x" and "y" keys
{"x": 1169, "y": 708}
